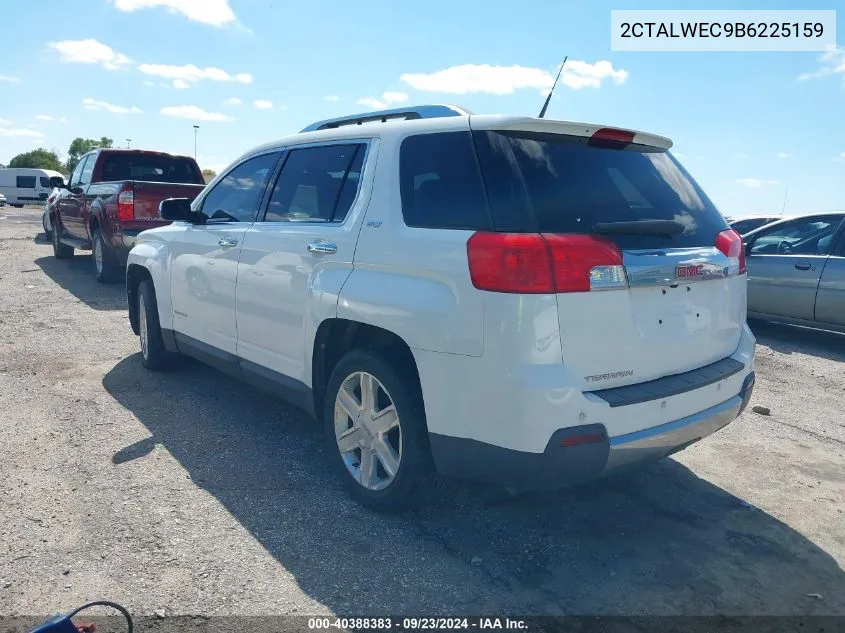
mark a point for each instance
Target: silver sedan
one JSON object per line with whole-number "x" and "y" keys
{"x": 796, "y": 271}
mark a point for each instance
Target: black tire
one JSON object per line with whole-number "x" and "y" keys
{"x": 154, "y": 355}
{"x": 60, "y": 251}
{"x": 107, "y": 268}
{"x": 47, "y": 231}
{"x": 415, "y": 470}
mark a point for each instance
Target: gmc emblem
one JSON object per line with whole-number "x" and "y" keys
{"x": 692, "y": 270}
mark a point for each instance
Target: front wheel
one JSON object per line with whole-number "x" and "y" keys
{"x": 154, "y": 355}
{"x": 376, "y": 431}
{"x": 60, "y": 251}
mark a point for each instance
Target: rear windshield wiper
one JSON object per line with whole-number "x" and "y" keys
{"x": 640, "y": 227}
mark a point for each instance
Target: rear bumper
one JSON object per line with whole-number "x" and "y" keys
{"x": 566, "y": 460}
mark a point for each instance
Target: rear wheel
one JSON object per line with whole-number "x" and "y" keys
{"x": 106, "y": 263}
{"x": 154, "y": 355}
{"x": 45, "y": 223}
{"x": 60, "y": 251}
{"x": 375, "y": 427}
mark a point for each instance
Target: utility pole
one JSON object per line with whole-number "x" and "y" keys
{"x": 785, "y": 192}
{"x": 128, "y": 141}
{"x": 196, "y": 129}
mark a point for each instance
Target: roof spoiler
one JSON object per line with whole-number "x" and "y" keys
{"x": 382, "y": 116}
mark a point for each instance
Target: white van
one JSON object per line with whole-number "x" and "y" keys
{"x": 26, "y": 186}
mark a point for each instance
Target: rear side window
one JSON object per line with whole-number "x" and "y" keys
{"x": 554, "y": 183}
{"x": 440, "y": 183}
{"x": 317, "y": 184}
{"x": 150, "y": 168}
{"x": 26, "y": 182}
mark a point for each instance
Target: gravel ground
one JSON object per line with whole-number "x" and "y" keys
{"x": 194, "y": 494}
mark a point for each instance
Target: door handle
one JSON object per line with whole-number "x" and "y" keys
{"x": 322, "y": 247}
{"x": 802, "y": 266}
{"x": 225, "y": 241}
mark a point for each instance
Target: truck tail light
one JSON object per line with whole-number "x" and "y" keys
{"x": 126, "y": 205}
{"x": 730, "y": 243}
{"x": 533, "y": 263}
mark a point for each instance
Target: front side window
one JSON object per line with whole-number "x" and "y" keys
{"x": 26, "y": 182}
{"x": 45, "y": 181}
{"x": 317, "y": 184}
{"x": 807, "y": 236}
{"x": 77, "y": 172}
{"x": 237, "y": 196}
{"x": 85, "y": 178}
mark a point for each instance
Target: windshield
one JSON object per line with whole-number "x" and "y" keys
{"x": 569, "y": 187}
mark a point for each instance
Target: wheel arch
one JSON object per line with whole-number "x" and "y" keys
{"x": 335, "y": 337}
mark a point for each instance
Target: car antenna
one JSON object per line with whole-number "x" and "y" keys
{"x": 551, "y": 92}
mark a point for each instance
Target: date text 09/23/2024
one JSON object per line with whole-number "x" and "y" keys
{"x": 415, "y": 624}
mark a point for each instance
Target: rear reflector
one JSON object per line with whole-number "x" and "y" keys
{"x": 126, "y": 205}
{"x": 531, "y": 263}
{"x": 729, "y": 242}
{"x": 578, "y": 440}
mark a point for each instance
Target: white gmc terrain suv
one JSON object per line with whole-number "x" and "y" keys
{"x": 520, "y": 301}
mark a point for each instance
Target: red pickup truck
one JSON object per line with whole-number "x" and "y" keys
{"x": 112, "y": 195}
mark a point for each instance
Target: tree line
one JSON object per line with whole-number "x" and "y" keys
{"x": 46, "y": 159}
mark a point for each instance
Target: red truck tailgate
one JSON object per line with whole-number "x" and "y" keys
{"x": 148, "y": 195}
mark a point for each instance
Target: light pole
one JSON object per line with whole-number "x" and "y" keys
{"x": 128, "y": 141}
{"x": 196, "y": 129}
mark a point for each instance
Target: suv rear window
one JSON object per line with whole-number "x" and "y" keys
{"x": 528, "y": 182}
{"x": 151, "y": 168}
{"x": 554, "y": 183}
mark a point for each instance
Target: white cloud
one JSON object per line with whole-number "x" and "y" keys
{"x": 213, "y": 12}
{"x": 193, "y": 112}
{"x": 782, "y": 155}
{"x": 263, "y": 104}
{"x": 502, "y": 80}
{"x": 839, "y": 158}
{"x": 63, "y": 119}
{"x": 89, "y": 52}
{"x": 182, "y": 76}
{"x": 233, "y": 101}
{"x": 23, "y": 132}
{"x": 332, "y": 98}
{"x": 44, "y": 117}
{"x": 9, "y": 79}
{"x": 387, "y": 99}
{"x": 678, "y": 155}
{"x": 755, "y": 183}
{"x": 93, "y": 104}
{"x": 741, "y": 156}
{"x": 831, "y": 62}
{"x": 5, "y": 122}
{"x": 149, "y": 83}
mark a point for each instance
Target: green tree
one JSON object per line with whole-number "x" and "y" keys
{"x": 38, "y": 159}
{"x": 209, "y": 174}
{"x": 81, "y": 146}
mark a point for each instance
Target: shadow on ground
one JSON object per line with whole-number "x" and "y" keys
{"x": 788, "y": 339}
{"x": 76, "y": 275}
{"x": 661, "y": 541}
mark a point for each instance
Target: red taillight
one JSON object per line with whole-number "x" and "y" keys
{"x": 530, "y": 263}
{"x": 730, "y": 243}
{"x": 510, "y": 262}
{"x": 580, "y": 260}
{"x": 578, "y": 440}
{"x": 126, "y": 205}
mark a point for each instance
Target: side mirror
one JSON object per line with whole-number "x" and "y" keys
{"x": 77, "y": 191}
{"x": 176, "y": 209}
{"x": 57, "y": 181}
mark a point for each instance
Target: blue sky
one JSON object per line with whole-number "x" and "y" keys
{"x": 745, "y": 124}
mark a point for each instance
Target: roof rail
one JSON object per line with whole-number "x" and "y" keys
{"x": 411, "y": 112}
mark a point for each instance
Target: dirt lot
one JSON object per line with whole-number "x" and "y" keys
{"x": 192, "y": 493}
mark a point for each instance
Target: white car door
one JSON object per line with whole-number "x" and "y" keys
{"x": 204, "y": 265}
{"x": 295, "y": 258}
